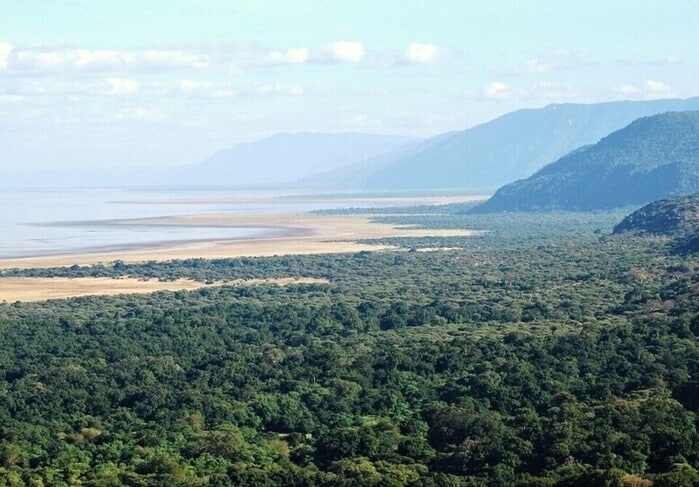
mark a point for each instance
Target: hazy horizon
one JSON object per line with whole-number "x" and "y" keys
{"x": 121, "y": 84}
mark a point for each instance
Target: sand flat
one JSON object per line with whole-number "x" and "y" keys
{"x": 307, "y": 233}
{"x": 29, "y": 289}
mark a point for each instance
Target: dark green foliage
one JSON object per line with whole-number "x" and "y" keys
{"x": 559, "y": 358}
{"x": 652, "y": 158}
{"x": 677, "y": 218}
{"x": 673, "y": 216}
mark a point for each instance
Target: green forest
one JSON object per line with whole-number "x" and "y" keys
{"x": 544, "y": 351}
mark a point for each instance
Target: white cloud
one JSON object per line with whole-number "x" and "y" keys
{"x": 139, "y": 113}
{"x": 359, "y": 119}
{"x": 421, "y": 53}
{"x": 191, "y": 86}
{"x": 496, "y": 89}
{"x": 5, "y": 50}
{"x": 271, "y": 89}
{"x": 362, "y": 121}
{"x": 224, "y": 93}
{"x": 657, "y": 87}
{"x": 649, "y": 89}
{"x": 6, "y": 99}
{"x": 556, "y": 60}
{"x": 539, "y": 91}
{"x": 172, "y": 59}
{"x": 294, "y": 55}
{"x": 628, "y": 89}
{"x": 37, "y": 60}
{"x": 121, "y": 86}
{"x": 346, "y": 51}
{"x": 535, "y": 66}
{"x": 67, "y": 87}
{"x": 100, "y": 59}
{"x": 544, "y": 90}
{"x": 667, "y": 61}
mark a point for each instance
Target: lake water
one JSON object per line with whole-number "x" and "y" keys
{"x": 42, "y": 222}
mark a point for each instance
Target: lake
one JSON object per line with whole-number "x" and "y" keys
{"x": 50, "y": 222}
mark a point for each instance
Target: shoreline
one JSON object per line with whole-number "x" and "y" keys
{"x": 274, "y": 233}
{"x": 308, "y": 234}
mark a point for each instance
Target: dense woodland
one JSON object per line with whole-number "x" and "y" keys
{"x": 675, "y": 217}
{"x": 543, "y": 352}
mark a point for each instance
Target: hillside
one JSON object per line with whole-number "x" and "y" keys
{"x": 652, "y": 158}
{"x": 508, "y": 148}
{"x": 284, "y": 158}
{"x": 674, "y": 217}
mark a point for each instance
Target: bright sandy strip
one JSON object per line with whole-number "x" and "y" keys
{"x": 310, "y": 234}
{"x": 43, "y": 288}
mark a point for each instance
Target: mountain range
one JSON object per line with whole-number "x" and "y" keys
{"x": 278, "y": 160}
{"x": 652, "y": 158}
{"x": 284, "y": 158}
{"x": 480, "y": 158}
{"x": 506, "y": 149}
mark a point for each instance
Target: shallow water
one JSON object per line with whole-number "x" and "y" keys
{"x": 41, "y": 222}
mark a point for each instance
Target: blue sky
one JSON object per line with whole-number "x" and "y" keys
{"x": 147, "y": 83}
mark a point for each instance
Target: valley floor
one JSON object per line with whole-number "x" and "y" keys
{"x": 306, "y": 233}
{"x": 544, "y": 351}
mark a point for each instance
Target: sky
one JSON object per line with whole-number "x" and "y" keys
{"x": 102, "y": 83}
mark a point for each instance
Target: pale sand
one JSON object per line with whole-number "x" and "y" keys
{"x": 40, "y": 288}
{"x": 309, "y": 234}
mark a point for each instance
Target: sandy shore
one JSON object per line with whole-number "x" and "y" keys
{"x": 40, "y": 289}
{"x": 305, "y": 233}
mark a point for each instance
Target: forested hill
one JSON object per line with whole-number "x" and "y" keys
{"x": 652, "y": 158}
{"x": 498, "y": 152}
{"x": 670, "y": 216}
{"x": 675, "y": 217}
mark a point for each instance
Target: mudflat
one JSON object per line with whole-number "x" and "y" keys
{"x": 302, "y": 233}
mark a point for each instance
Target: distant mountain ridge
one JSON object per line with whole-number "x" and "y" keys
{"x": 278, "y": 160}
{"x": 491, "y": 154}
{"x": 481, "y": 158}
{"x": 652, "y": 158}
{"x": 284, "y": 158}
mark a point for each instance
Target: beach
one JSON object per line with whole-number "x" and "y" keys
{"x": 295, "y": 234}
{"x": 300, "y": 233}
